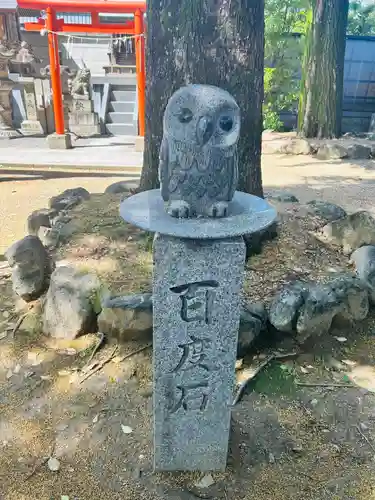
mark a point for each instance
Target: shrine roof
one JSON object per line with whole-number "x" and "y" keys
{"x": 102, "y": 6}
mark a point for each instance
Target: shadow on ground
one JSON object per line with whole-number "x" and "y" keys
{"x": 8, "y": 175}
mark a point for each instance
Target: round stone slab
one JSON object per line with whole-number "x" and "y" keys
{"x": 247, "y": 214}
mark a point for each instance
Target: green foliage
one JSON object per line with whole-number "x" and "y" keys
{"x": 361, "y": 20}
{"x": 283, "y": 51}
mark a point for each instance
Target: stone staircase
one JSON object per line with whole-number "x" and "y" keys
{"x": 121, "y": 109}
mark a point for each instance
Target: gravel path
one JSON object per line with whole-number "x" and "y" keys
{"x": 351, "y": 185}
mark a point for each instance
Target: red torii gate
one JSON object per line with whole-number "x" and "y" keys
{"x": 53, "y": 25}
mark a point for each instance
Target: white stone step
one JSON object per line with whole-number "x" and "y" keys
{"x": 123, "y": 95}
{"x": 122, "y": 106}
{"x": 121, "y": 129}
{"x": 116, "y": 117}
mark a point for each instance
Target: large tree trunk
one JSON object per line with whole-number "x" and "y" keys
{"x": 217, "y": 42}
{"x": 320, "y": 112}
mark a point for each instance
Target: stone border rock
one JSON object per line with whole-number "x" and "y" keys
{"x": 299, "y": 309}
{"x": 334, "y": 149}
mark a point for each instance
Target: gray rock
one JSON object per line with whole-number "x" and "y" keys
{"x": 253, "y": 320}
{"x": 258, "y": 310}
{"x": 353, "y": 294}
{"x": 121, "y": 187}
{"x": 284, "y": 198}
{"x": 309, "y": 309}
{"x": 201, "y": 127}
{"x": 316, "y": 314}
{"x": 359, "y": 152}
{"x": 69, "y": 198}
{"x": 285, "y": 306}
{"x": 127, "y": 318}
{"x": 325, "y": 210}
{"x": 196, "y": 320}
{"x": 296, "y": 147}
{"x": 349, "y": 233}
{"x": 31, "y": 267}
{"x": 332, "y": 151}
{"x": 364, "y": 260}
{"x": 61, "y": 219}
{"x": 71, "y": 304}
{"x": 38, "y": 219}
{"x": 255, "y": 241}
{"x": 49, "y": 236}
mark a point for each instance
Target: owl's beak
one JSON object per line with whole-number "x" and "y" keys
{"x": 204, "y": 130}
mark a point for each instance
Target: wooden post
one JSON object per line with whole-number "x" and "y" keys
{"x": 53, "y": 49}
{"x": 140, "y": 68}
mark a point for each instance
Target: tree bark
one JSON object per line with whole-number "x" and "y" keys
{"x": 216, "y": 42}
{"x": 320, "y": 111}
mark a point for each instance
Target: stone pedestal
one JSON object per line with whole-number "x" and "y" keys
{"x": 196, "y": 301}
{"x": 59, "y": 141}
{"x": 198, "y": 274}
{"x": 31, "y": 126}
{"x": 83, "y": 121}
{"x": 139, "y": 144}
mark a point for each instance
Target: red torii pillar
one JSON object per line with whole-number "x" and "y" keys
{"x": 140, "y": 69}
{"x": 53, "y": 49}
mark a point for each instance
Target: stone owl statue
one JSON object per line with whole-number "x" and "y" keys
{"x": 198, "y": 168}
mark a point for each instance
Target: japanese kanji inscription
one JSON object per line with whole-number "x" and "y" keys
{"x": 196, "y": 315}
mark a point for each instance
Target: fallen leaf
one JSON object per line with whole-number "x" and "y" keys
{"x": 53, "y": 464}
{"x": 239, "y": 364}
{"x": 310, "y": 367}
{"x": 341, "y": 339}
{"x": 244, "y": 375}
{"x": 126, "y": 429}
{"x": 205, "y": 482}
{"x": 17, "y": 368}
{"x": 304, "y": 370}
{"x": 95, "y": 419}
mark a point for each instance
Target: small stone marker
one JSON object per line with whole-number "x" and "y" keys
{"x": 199, "y": 257}
{"x": 31, "y": 125}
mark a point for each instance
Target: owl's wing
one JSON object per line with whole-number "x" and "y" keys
{"x": 233, "y": 174}
{"x": 163, "y": 169}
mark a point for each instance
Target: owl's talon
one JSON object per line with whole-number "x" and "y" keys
{"x": 179, "y": 209}
{"x": 219, "y": 209}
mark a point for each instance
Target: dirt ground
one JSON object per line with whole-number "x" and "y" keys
{"x": 288, "y": 440}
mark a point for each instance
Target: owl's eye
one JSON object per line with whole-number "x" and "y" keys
{"x": 226, "y": 123}
{"x": 185, "y": 115}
